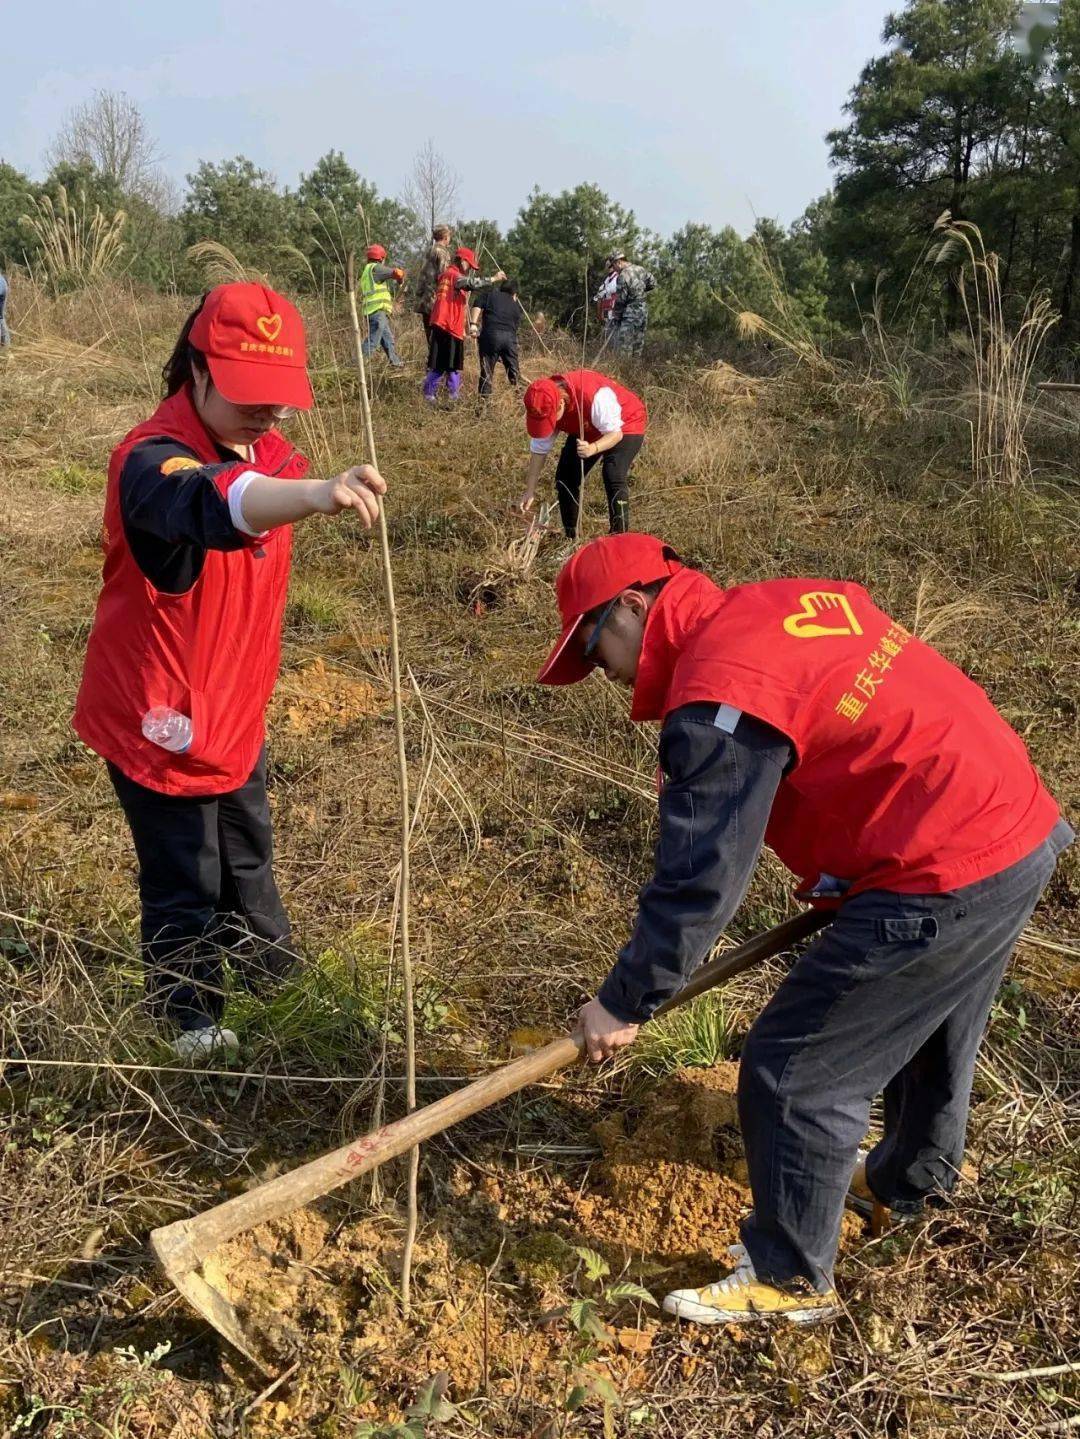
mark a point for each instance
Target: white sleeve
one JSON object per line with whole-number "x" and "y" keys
{"x": 542, "y": 447}
{"x": 606, "y": 412}
{"x": 236, "y": 513}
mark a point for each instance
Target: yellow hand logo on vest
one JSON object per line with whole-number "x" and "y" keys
{"x": 179, "y": 462}
{"x": 269, "y": 326}
{"x": 834, "y": 609}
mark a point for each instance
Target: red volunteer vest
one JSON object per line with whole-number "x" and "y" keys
{"x": 906, "y": 778}
{"x": 448, "y": 311}
{"x": 211, "y": 653}
{"x": 581, "y": 386}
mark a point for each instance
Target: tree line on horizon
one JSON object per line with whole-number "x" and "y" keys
{"x": 973, "y": 109}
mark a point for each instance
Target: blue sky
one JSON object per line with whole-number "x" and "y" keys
{"x": 704, "y": 110}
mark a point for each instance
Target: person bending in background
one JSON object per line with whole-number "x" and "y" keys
{"x": 602, "y": 420}
{"x": 495, "y": 319}
{"x": 446, "y": 351}
{"x": 5, "y": 333}
{"x": 436, "y": 261}
{"x": 377, "y": 302}
{"x": 183, "y": 654}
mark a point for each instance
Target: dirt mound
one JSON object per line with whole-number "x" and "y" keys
{"x": 304, "y": 1284}
{"x": 673, "y": 1184}
{"x": 277, "y": 1276}
{"x": 319, "y": 698}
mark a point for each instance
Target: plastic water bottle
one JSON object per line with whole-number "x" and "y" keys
{"x": 168, "y": 728}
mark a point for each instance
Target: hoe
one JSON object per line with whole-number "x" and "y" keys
{"x": 181, "y": 1248}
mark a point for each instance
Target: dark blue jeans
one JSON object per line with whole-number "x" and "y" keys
{"x": 381, "y": 336}
{"x": 894, "y": 996}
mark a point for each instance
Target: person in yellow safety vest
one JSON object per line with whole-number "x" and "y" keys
{"x": 377, "y": 301}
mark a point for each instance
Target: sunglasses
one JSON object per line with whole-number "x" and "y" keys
{"x": 601, "y": 620}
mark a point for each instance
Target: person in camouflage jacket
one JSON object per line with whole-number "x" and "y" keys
{"x": 436, "y": 261}
{"x": 630, "y": 315}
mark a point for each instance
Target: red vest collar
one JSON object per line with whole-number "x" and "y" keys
{"x": 571, "y": 421}
{"x": 178, "y": 418}
{"x": 676, "y": 614}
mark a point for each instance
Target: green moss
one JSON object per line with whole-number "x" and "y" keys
{"x": 542, "y": 1257}
{"x": 75, "y": 479}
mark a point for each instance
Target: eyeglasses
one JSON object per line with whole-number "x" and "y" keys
{"x": 278, "y": 413}
{"x": 601, "y": 620}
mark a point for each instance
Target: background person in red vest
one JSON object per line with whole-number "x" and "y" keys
{"x": 602, "y": 420}
{"x": 184, "y": 649}
{"x": 446, "y": 351}
{"x": 797, "y": 712}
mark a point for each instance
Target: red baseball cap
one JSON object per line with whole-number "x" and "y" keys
{"x": 541, "y": 401}
{"x": 253, "y": 340}
{"x": 464, "y": 253}
{"x": 590, "y": 578}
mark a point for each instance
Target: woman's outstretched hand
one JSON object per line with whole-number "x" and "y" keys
{"x": 357, "y": 489}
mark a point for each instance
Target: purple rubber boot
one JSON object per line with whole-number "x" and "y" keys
{"x": 453, "y": 383}
{"x": 431, "y": 385}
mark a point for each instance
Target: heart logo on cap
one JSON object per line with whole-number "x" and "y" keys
{"x": 269, "y": 326}
{"x": 821, "y": 604}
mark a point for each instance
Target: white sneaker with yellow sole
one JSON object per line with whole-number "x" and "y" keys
{"x": 742, "y": 1298}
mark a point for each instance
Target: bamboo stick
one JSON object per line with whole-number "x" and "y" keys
{"x": 403, "y": 791}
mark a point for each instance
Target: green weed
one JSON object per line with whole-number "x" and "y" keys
{"x": 324, "y": 603}
{"x": 75, "y": 479}
{"x": 696, "y": 1037}
{"x": 331, "y": 1013}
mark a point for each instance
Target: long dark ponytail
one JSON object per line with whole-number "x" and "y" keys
{"x": 180, "y": 366}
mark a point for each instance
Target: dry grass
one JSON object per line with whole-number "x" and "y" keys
{"x": 532, "y": 831}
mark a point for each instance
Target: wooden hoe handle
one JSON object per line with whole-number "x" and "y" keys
{"x": 183, "y": 1246}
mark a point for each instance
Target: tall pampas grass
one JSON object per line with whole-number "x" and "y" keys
{"x": 78, "y": 245}
{"x": 1003, "y": 358}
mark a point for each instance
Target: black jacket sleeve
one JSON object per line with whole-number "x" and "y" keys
{"x": 174, "y": 512}
{"x": 718, "y": 791}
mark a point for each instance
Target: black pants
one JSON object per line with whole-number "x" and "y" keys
{"x": 446, "y": 353}
{"x": 615, "y": 464}
{"x": 893, "y": 997}
{"x": 495, "y": 349}
{"x": 206, "y": 883}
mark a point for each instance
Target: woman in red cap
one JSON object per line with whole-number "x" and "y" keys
{"x": 446, "y": 352}
{"x": 602, "y": 420}
{"x": 184, "y": 650}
